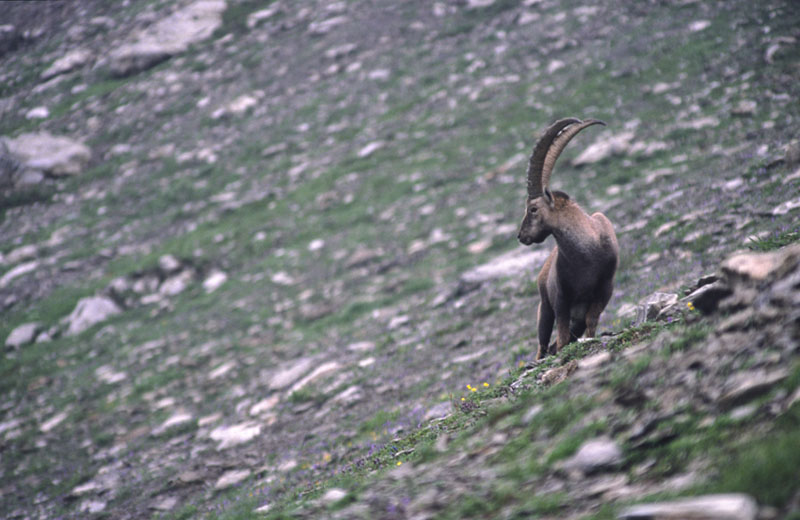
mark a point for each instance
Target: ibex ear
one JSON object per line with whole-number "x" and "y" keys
{"x": 548, "y": 197}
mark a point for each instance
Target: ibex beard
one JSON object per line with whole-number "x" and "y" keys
{"x": 577, "y": 279}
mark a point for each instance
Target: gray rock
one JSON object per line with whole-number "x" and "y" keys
{"x": 23, "y": 335}
{"x": 332, "y": 496}
{"x": 175, "y": 285}
{"x": 54, "y": 155}
{"x": 595, "y": 455}
{"x": 649, "y": 307}
{"x": 792, "y": 153}
{"x": 756, "y": 267}
{"x": 214, "y": 281}
{"x": 748, "y": 385}
{"x": 709, "y": 507}
{"x": 90, "y": 311}
{"x": 604, "y": 148}
{"x": 438, "y": 411}
{"x": 241, "y": 433}
{"x": 9, "y": 165}
{"x": 168, "y": 264}
{"x": 29, "y": 177}
{"x": 516, "y": 263}
{"x": 231, "y": 478}
{"x": 290, "y": 373}
{"x": 18, "y": 271}
{"x": 68, "y": 62}
{"x": 707, "y": 297}
{"x": 164, "y": 504}
{"x": 167, "y": 37}
{"x": 256, "y": 17}
{"x": 21, "y": 254}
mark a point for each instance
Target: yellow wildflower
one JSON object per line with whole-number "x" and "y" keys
{"x": 485, "y": 384}
{"x": 399, "y": 462}
{"x": 690, "y": 305}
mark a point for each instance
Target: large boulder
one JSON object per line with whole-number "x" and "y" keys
{"x": 167, "y": 37}
{"x": 52, "y": 154}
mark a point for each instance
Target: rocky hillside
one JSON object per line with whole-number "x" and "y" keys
{"x": 258, "y": 259}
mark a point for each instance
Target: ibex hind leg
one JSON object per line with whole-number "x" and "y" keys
{"x": 578, "y": 321}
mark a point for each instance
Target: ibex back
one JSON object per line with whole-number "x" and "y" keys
{"x": 577, "y": 279}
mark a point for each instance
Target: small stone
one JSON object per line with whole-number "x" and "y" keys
{"x": 37, "y": 113}
{"x": 361, "y": 346}
{"x": 649, "y": 308}
{"x": 214, "y": 281}
{"x": 290, "y": 374}
{"x": 54, "y": 421}
{"x": 732, "y": 506}
{"x": 221, "y": 370}
{"x": 231, "y": 478}
{"x": 241, "y": 104}
{"x": 786, "y": 207}
{"x": 792, "y": 155}
{"x": 604, "y": 148}
{"x": 699, "y": 25}
{"x": 333, "y": 495}
{"x": 748, "y": 385}
{"x": 274, "y": 149}
{"x": 362, "y": 257}
{"x": 90, "y": 311}
{"x": 323, "y": 370}
{"x": 229, "y": 436}
{"x": 92, "y": 506}
{"x": 595, "y": 455}
{"x": 745, "y": 108}
{"x": 168, "y": 264}
{"x": 264, "y": 405}
{"x": 559, "y": 374}
{"x": 176, "y": 419}
{"x": 165, "y": 504}
{"x": 67, "y": 63}
{"x": 22, "y": 335}
{"x": 325, "y": 26}
{"x": 370, "y": 148}
{"x": 85, "y": 488}
{"x": 366, "y": 362}
{"x": 108, "y": 375}
{"x": 175, "y": 285}
{"x": 282, "y": 278}
{"x": 256, "y": 17}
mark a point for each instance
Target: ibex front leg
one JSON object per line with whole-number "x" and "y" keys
{"x": 546, "y": 319}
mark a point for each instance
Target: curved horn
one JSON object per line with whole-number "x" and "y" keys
{"x": 558, "y": 145}
{"x": 537, "y": 159}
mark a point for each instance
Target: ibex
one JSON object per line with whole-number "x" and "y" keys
{"x": 577, "y": 279}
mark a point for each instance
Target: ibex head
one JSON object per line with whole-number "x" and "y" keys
{"x": 542, "y": 206}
